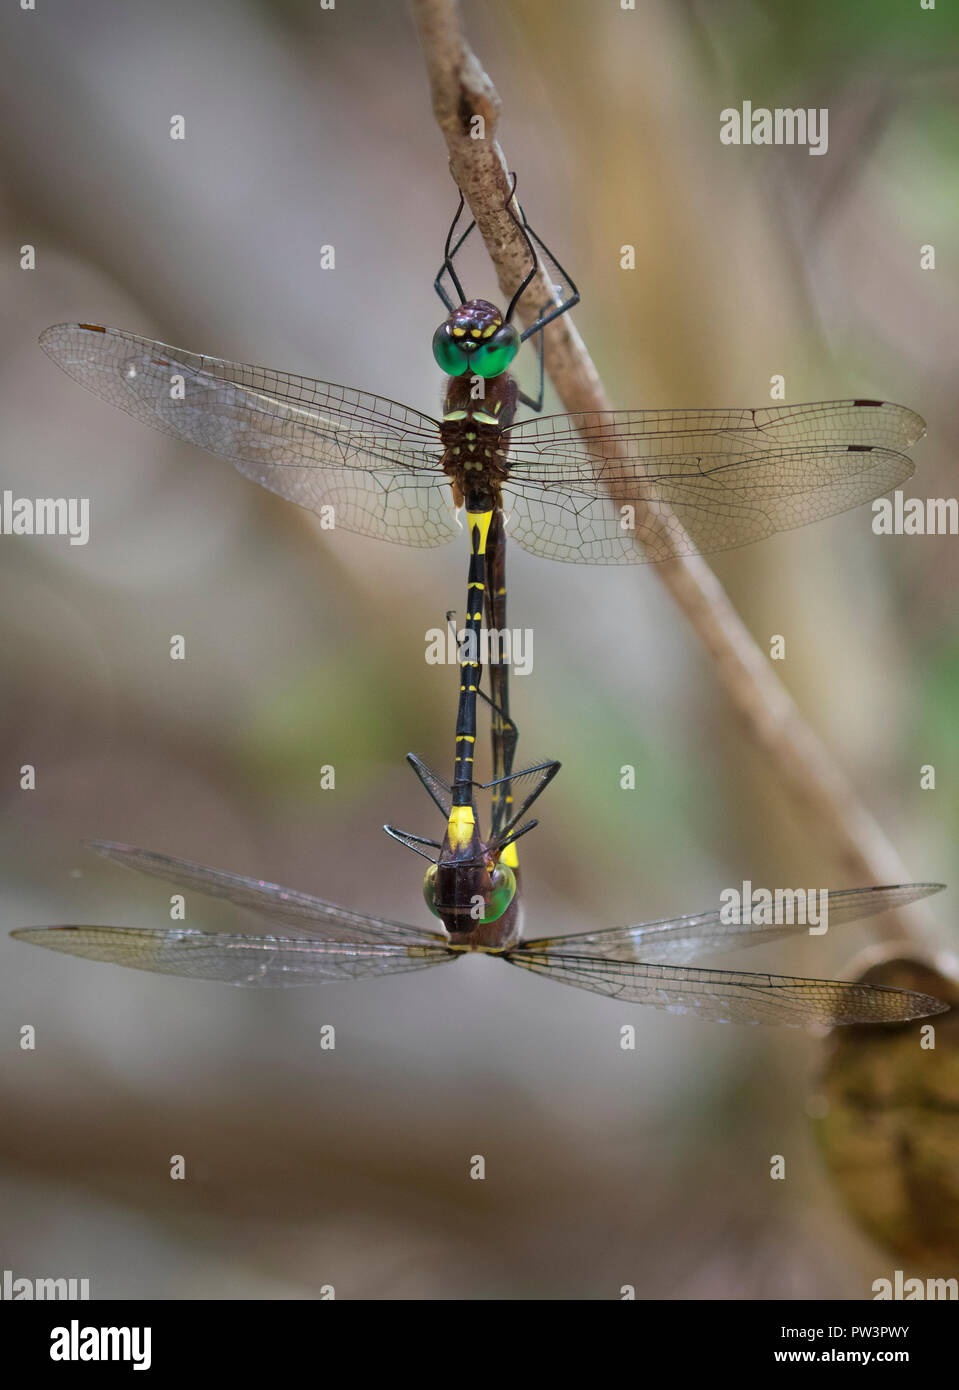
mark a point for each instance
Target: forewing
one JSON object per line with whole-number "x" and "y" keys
{"x": 317, "y": 444}
{"x": 731, "y": 996}
{"x": 676, "y": 940}
{"x": 310, "y": 916}
{"x": 271, "y": 961}
{"x": 587, "y": 487}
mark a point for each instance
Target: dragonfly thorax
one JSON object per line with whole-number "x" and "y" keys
{"x": 469, "y": 889}
{"x": 476, "y": 341}
{"x": 473, "y": 431}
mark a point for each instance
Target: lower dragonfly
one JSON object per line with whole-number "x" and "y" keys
{"x": 312, "y": 941}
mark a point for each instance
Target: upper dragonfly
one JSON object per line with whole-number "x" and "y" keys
{"x": 572, "y": 486}
{"x": 604, "y": 487}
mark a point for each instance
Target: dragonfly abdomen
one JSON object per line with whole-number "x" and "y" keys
{"x": 470, "y": 663}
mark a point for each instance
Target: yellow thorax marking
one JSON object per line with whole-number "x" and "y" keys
{"x": 455, "y": 415}
{"x": 509, "y": 857}
{"x": 483, "y": 419}
{"x": 460, "y": 828}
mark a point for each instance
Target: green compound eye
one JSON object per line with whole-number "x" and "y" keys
{"x": 502, "y": 890}
{"x": 429, "y": 889}
{"x": 493, "y": 357}
{"x": 449, "y": 356}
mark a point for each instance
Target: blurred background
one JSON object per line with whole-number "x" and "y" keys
{"x": 309, "y": 1167}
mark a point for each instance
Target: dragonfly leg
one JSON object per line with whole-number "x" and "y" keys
{"x": 507, "y": 732}
{"x": 566, "y": 288}
{"x": 447, "y": 267}
{"x": 531, "y": 402}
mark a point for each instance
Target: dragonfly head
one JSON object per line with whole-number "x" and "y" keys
{"x": 467, "y": 888}
{"x": 475, "y": 339}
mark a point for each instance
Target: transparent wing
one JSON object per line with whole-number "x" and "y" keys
{"x": 696, "y": 480}
{"x": 731, "y": 996}
{"x": 310, "y": 916}
{"x": 238, "y": 960}
{"x": 375, "y": 461}
{"x": 676, "y": 940}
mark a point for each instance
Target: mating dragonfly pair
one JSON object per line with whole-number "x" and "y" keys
{"x": 603, "y": 488}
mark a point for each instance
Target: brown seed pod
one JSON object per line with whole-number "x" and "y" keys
{"x": 886, "y": 1115}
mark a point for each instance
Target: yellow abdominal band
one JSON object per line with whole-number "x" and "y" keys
{"x": 480, "y": 521}
{"x": 460, "y": 828}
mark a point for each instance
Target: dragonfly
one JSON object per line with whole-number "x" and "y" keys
{"x": 607, "y": 487}
{"x": 310, "y": 941}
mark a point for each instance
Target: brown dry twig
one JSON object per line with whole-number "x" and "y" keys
{"x": 807, "y": 772}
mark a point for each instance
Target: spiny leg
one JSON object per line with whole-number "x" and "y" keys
{"x": 555, "y": 310}
{"x": 448, "y": 257}
{"x": 535, "y": 403}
